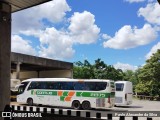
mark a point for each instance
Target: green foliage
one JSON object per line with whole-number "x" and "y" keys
{"x": 99, "y": 70}
{"x": 149, "y": 76}
{"x": 143, "y": 87}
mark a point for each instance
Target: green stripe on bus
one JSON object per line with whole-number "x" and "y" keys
{"x": 65, "y": 93}
{"x": 32, "y": 92}
{"x": 40, "y": 92}
{"x": 62, "y": 98}
{"x": 93, "y": 94}
{"x": 78, "y": 94}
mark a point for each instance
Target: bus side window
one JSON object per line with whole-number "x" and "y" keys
{"x": 37, "y": 85}
{"x": 79, "y": 86}
{"x": 103, "y": 85}
{"x": 57, "y": 86}
{"x": 63, "y": 86}
{"x": 100, "y": 86}
{"x": 90, "y": 86}
{"x": 70, "y": 85}
{"x": 50, "y": 85}
{"x": 97, "y": 86}
{"x": 67, "y": 86}
{"x": 42, "y": 85}
{"x": 33, "y": 85}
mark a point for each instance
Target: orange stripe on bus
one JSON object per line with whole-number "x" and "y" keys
{"x": 71, "y": 93}
{"x": 67, "y": 99}
{"x": 60, "y": 93}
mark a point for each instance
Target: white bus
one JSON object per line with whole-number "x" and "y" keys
{"x": 65, "y": 92}
{"x": 123, "y": 93}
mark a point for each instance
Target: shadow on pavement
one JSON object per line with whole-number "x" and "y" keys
{"x": 129, "y": 106}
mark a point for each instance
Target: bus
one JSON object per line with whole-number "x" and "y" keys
{"x": 123, "y": 93}
{"x": 65, "y": 92}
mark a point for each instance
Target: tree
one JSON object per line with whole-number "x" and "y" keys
{"x": 83, "y": 70}
{"x": 99, "y": 70}
{"x": 150, "y": 76}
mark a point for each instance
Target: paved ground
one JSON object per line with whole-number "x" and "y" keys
{"x": 141, "y": 105}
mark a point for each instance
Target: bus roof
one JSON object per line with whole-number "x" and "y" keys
{"x": 66, "y": 79}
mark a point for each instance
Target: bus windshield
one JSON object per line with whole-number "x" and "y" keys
{"x": 119, "y": 86}
{"x": 22, "y": 87}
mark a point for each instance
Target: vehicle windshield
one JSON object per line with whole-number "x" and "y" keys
{"x": 119, "y": 86}
{"x": 22, "y": 87}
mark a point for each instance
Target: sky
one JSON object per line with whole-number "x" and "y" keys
{"x": 122, "y": 33}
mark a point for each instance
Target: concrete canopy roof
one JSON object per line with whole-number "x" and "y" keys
{"x": 18, "y": 5}
{"x": 33, "y": 63}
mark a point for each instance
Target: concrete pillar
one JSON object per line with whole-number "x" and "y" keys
{"x": 18, "y": 70}
{"x": 5, "y": 50}
{"x": 71, "y": 73}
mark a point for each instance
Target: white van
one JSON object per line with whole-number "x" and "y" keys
{"x": 123, "y": 93}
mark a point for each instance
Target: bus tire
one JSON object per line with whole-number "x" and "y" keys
{"x": 76, "y": 104}
{"x": 86, "y": 105}
{"x": 30, "y": 101}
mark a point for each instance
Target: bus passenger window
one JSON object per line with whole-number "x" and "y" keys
{"x": 102, "y": 85}
{"x": 90, "y": 86}
{"x": 57, "y": 86}
{"x": 70, "y": 85}
{"x": 42, "y": 85}
{"x": 33, "y": 85}
{"x": 67, "y": 86}
{"x": 50, "y": 85}
{"x": 79, "y": 86}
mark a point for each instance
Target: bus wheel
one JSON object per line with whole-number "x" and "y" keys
{"x": 30, "y": 101}
{"x": 86, "y": 105}
{"x": 76, "y": 104}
